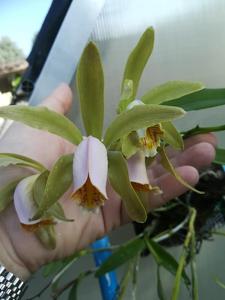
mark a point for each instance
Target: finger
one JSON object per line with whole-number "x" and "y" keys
{"x": 60, "y": 100}
{"x": 199, "y": 156}
{"x": 193, "y": 140}
{"x": 171, "y": 188}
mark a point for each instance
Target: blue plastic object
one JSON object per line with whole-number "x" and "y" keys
{"x": 108, "y": 282}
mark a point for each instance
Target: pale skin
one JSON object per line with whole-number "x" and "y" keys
{"x": 21, "y": 252}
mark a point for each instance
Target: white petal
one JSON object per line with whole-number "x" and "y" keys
{"x": 134, "y": 103}
{"x": 23, "y": 201}
{"x": 97, "y": 164}
{"x": 137, "y": 168}
{"x": 80, "y": 164}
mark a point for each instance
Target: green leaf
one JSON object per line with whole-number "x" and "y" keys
{"x": 170, "y": 90}
{"x": 66, "y": 264}
{"x": 47, "y": 236}
{"x": 172, "y": 136}
{"x": 220, "y": 156}
{"x": 203, "y": 99}
{"x": 58, "y": 265}
{"x": 169, "y": 167}
{"x": 121, "y": 184}
{"x": 6, "y": 193}
{"x": 59, "y": 181}
{"x": 124, "y": 282}
{"x": 7, "y": 159}
{"x": 90, "y": 85}
{"x": 130, "y": 144}
{"x": 141, "y": 116}
{"x": 127, "y": 93}
{"x": 164, "y": 258}
{"x": 220, "y": 283}
{"x": 160, "y": 291}
{"x": 121, "y": 256}
{"x": 44, "y": 119}
{"x": 200, "y": 130}
{"x": 73, "y": 291}
{"x": 138, "y": 59}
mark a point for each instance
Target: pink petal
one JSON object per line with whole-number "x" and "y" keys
{"x": 137, "y": 168}
{"x": 90, "y": 159}
{"x": 98, "y": 164}
{"x": 80, "y": 164}
{"x": 23, "y": 201}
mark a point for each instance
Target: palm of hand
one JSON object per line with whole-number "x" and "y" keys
{"x": 47, "y": 148}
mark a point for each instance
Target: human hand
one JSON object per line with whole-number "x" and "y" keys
{"x": 21, "y": 252}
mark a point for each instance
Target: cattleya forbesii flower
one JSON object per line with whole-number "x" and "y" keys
{"x": 117, "y": 156}
{"x": 149, "y": 139}
{"x": 90, "y": 168}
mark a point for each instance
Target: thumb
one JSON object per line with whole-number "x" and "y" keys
{"x": 60, "y": 100}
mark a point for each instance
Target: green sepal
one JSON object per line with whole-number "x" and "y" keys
{"x": 169, "y": 167}
{"x": 170, "y": 90}
{"x": 121, "y": 184}
{"x": 47, "y": 236}
{"x": 130, "y": 144}
{"x": 141, "y": 116}
{"x": 44, "y": 119}
{"x": 172, "y": 136}
{"x": 137, "y": 60}
{"x": 7, "y": 159}
{"x": 58, "y": 182}
{"x": 90, "y": 86}
{"x": 6, "y": 193}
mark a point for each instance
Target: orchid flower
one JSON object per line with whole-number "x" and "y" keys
{"x": 90, "y": 167}
{"x": 25, "y": 205}
{"x": 149, "y": 138}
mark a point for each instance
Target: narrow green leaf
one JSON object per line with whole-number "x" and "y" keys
{"x": 44, "y": 119}
{"x": 169, "y": 167}
{"x": 200, "y": 130}
{"x": 51, "y": 268}
{"x": 160, "y": 291}
{"x": 73, "y": 291}
{"x": 7, "y": 159}
{"x": 90, "y": 85}
{"x": 200, "y": 100}
{"x": 66, "y": 264}
{"x": 121, "y": 256}
{"x": 138, "y": 59}
{"x": 56, "y": 266}
{"x": 172, "y": 136}
{"x": 6, "y": 193}
{"x": 127, "y": 94}
{"x": 59, "y": 180}
{"x": 220, "y": 156}
{"x": 164, "y": 258}
{"x": 220, "y": 283}
{"x": 141, "y": 116}
{"x": 124, "y": 282}
{"x": 47, "y": 236}
{"x": 121, "y": 184}
{"x": 170, "y": 90}
{"x": 130, "y": 144}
